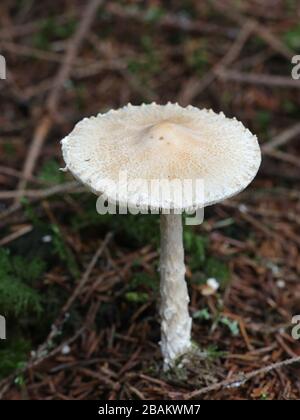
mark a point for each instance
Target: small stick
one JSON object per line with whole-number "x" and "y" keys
{"x": 25, "y": 29}
{"x": 42, "y": 194}
{"x": 6, "y": 383}
{"x": 60, "y": 320}
{"x": 262, "y": 31}
{"x": 42, "y": 353}
{"x": 71, "y": 54}
{"x": 169, "y": 20}
{"x": 39, "y": 137}
{"x": 24, "y": 50}
{"x": 285, "y": 157}
{"x": 282, "y": 138}
{"x": 258, "y": 79}
{"x": 39, "y": 195}
{"x": 87, "y": 273}
{"x": 53, "y": 100}
{"x": 15, "y": 235}
{"x": 5, "y": 170}
{"x": 241, "y": 379}
{"x": 193, "y": 89}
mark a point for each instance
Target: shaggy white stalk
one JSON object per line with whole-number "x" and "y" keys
{"x": 175, "y": 320}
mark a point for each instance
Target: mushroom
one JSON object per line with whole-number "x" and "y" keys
{"x": 164, "y": 142}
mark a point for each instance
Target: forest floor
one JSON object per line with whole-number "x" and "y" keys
{"x": 80, "y": 291}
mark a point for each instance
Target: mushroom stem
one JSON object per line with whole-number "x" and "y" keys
{"x": 175, "y": 320}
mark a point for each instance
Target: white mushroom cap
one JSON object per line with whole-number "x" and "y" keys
{"x": 162, "y": 142}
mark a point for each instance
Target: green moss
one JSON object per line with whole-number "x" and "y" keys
{"x": 263, "y": 119}
{"x": 51, "y": 30}
{"x": 29, "y": 271}
{"x": 9, "y": 149}
{"x": 13, "y": 356}
{"x": 31, "y": 213}
{"x": 215, "y": 268}
{"x": 198, "y": 59}
{"x": 292, "y": 38}
{"x": 144, "y": 279}
{"x": 290, "y": 107}
{"x": 154, "y": 14}
{"x": 65, "y": 254}
{"x": 147, "y": 64}
{"x": 50, "y": 172}
{"x": 213, "y": 353}
{"x": 141, "y": 228}
{"x": 132, "y": 231}
{"x": 195, "y": 248}
{"x": 137, "y": 297}
{"x": 17, "y": 297}
{"x": 80, "y": 92}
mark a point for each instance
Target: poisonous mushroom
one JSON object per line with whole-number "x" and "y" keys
{"x": 164, "y": 142}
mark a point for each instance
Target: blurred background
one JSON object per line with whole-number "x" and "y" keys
{"x": 79, "y": 291}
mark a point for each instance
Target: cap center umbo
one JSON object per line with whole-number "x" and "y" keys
{"x": 168, "y": 133}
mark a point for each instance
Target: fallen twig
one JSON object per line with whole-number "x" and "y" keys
{"x": 262, "y": 31}
{"x": 38, "y": 195}
{"x": 257, "y": 79}
{"x": 45, "y": 193}
{"x": 31, "y": 27}
{"x": 19, "y": 49}
{"x": 195, "y": 87}
{"x": 43, "y": 352}
{"x": 7, "y": 382}
{"x": 285, "y": 157}
{"x": 282, "y": 138}
{"x": 56, "y": 326}
{"x": 169, "y": 20}
{"x": 15, "y": 235}
{"x": 240, "y": 379}
{"x": 53, "y": 100}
